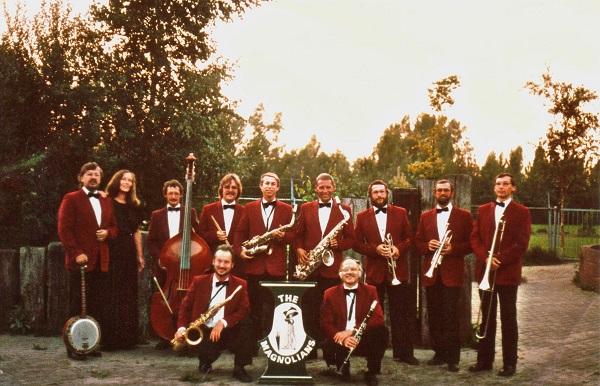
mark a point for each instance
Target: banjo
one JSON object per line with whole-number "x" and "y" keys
{"x": 82, "y": 333}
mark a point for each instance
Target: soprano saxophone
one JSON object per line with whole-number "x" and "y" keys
{"x": 193, "y": 334}
{"x": 357, "y": 333}
{"x": 321, "y": 254}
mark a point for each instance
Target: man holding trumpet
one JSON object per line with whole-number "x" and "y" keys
{"x": 499, "y": 239}
{"x": 386, "y": 263}
{"x": 443, "y": 238}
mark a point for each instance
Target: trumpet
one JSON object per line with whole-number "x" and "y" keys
{"x": 436, "y": 260}
{"x": 193, "y": 334}
{"x": 389, "y": 243}
{"x": 484, "y": 285}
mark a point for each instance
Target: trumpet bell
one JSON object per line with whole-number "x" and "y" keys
{"x": 328, "y": 258}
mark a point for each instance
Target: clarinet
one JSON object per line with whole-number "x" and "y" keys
{"x": 358, "y": 333}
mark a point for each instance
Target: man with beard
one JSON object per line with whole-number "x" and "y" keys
{"x": 228, "y": 328}
{"x": 85, "y": 223}
{"x": 260, "y": 216}
{"x": 373, "y": 226}
{"x": 444, "y": 287}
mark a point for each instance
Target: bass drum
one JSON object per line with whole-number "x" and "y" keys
{"x": 82, "y": 335}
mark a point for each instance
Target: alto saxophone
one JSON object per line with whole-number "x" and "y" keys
{"x": 357, "y": 333}
{"x": 321, "y": 253}
{"x": 193, "y": 334}
{"x": 260, "y": 243}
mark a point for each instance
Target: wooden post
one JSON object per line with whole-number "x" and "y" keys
{"x": 32, "y": 264}
{"x": 9, "y": 284}
{"x": 57, "y": 282}
{"x": 145, "y": 290}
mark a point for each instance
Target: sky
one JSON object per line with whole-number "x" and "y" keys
{"x": 347, "y": 69}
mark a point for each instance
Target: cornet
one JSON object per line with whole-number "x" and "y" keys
{"x": 436, "y": 260}
{"x": 390, "y": 260}
{"x": 485, "y": 281}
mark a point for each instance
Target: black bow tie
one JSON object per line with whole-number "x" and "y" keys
{"x": 172, "y": 209}
{"x": 324, "y": 204}
{"x": 440, "y": 210}
{"x": 93, "y": 194}
{"x": 268, "y": 204}
{"x": 384, "y": 210}
{"x": 230, "y": 206}
{"x": 350, "y": 291}
{"x": 222, "y": 283}
{"x": 500, "y": 204}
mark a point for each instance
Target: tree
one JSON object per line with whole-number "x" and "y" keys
{"x": 441, "y": 93}
{"x": 515, "y": 164}
{"x": 571, "y": 141}
{"x": 483, "y": 183}
{"x": 537, "y": 183}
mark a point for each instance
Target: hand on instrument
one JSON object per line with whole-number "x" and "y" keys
{"x": 340, "y": 336}
{"x": 433, "y": 244}
{"x": 495, "y": 263}
{"x": 141, "y": 263}
{"x": 382, "y": 250}
{"x": 350, "y": 342}
{"x": 244, "y": 255}
{"x": 278, "y": 234}
{"x": 81, "y": 259}
{"x": 215, "y": 334}
{"x": 101, "y": 234}
{"x": 333, "y": 244}
{"x": 302, "y": 256}
{"x": 447, "y": 249}
{"x": 179, "y": 334}
{"x": 221, "y": 235}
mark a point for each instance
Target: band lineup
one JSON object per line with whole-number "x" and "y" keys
{"x": 277, "y": 279}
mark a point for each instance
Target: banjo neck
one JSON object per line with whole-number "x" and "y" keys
{"x": 83, "y": 304}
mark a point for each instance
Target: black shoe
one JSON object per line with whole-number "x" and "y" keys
{"x": 330, "y": 371}
{"x": 371, "y": 379}
{"x": 477, "y": 367}
{"x": 96, "y": 354}
{"x": 75, "y": 356}
{"x": 241, "y": 375}
{"x": 507, "y": 371}
{"x": 411, "y": 360}
{"x": 162, "y": 345}
{"x": 204, "y": 368}
{"x": 437, "y": 360}
{"x": 345, "y": 373}
{"x": 453, "y": 367}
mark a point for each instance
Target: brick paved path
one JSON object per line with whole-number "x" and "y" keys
{"x": 559, "y": 345}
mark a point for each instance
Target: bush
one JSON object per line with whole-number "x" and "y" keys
{"x": 19, "y": 320}
{"x": 538, "y": 256}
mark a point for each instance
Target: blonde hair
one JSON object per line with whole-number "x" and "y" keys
{"x": 227, "y": 178}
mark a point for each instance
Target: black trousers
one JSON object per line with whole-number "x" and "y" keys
{"x": 442, "y": 310}
{"x": 96, "y": 287}
{"x": 311, "y": 306}
{"x": 261, "y": 304}
{"x": 402, "y": 317}
{"x": 507, "y": 295}
{"x": 372, "y": 346}
{"x": 236, "y": 339}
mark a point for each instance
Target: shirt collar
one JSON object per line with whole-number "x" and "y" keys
{"x": 216, "y": 280}
{"x": 223, "y": 202}
{"x": 355, "y": 286}
{"x": 449, "y": 206}
{"x": 506, "y": 202}
{"x": 176, "y": 206}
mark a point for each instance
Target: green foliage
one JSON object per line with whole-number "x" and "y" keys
{"x": 441, "y": 93}
{"x": 19, "y": 321}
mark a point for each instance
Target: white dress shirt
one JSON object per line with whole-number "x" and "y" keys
{"x": 351, "y": 308}
{"x": 442, "y": 220}
{"x": 218, "y": 295}
{"x": 227, "y": 215}
{"x": 381, "y": 219}
{"x": 324, "y": 213}
{"x": 174, "y": 217}
{"x": 267, "y": 213}
{"x": 499, "y": 211}
{"x": 95, "y": 205}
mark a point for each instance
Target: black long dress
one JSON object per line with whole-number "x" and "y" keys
{"x": 120, "y": 329}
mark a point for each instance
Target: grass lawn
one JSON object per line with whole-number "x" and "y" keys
{"x": 573, "y": 243}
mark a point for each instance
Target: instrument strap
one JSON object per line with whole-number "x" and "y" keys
{"x": 215, "y": 295}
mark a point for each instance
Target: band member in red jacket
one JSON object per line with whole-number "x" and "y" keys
{"x": 227, "y": 213}
{"x": 443, "y": 288}
{"x": 85, "y": 223}
{"x": 167, "y": 222}
{"x": 260, "y": 216}
{"x": 373, "y": 225}
{"x": 506, "y": 266}
{"x": 344, "y": 309}
{"x": 228, "y": 328}
{"x": 316, "y": 219}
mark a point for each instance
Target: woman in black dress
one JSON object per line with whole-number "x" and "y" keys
{"x": 120, "y": 330}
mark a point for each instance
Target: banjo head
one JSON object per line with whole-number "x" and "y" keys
{"x": 82, "y": 335}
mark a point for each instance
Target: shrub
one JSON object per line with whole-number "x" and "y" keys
{"x": 538, "y": 256}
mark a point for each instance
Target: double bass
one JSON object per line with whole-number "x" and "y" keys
{"x": 183, "y": 256}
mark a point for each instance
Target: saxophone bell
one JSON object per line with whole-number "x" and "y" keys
{"x": 328, "y": 258}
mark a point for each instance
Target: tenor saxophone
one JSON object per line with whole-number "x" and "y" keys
{"x": 260, "y": 243}
{"x": 193, "y": 334}
{"x": 321, "y": 254}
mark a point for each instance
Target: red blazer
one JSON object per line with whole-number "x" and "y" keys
{"x": 77, "y": 228}
{"x": 308, "y": 234}
{"x": 196, "y": 301}
{"x": 207, "y": 229}
{"x": 158, "y": 232}
{"x": 368, "y": 238}
{"x": 452, "y": 268}
{"x": 334, "y": 313}
{"x": 517, "y": 229}
{"x": 251, "y": 225}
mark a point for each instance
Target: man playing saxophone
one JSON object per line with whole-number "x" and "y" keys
{"x": 344, "y": 308}
{"x": 373, "y": 225}
{"x": 443, "y": 282}
{"x": 264, "y": 215}
{"x": 316, "y": 220}
{"x": 505, "y": 275}
{"x": 229, "y": 328}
